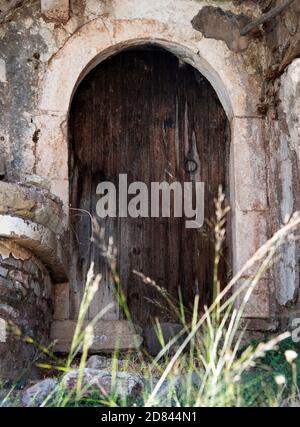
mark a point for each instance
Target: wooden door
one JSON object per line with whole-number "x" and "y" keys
{"x": 142, "y": 113}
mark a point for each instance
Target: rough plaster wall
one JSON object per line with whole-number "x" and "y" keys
{"x": 280, "y": 103}
{"x": 282, "y": 38}
{"x": 7, "y": 5}
{"x": 282, "y": 35}
{"x": 290, "y": 104}
{"x": 223, "y": 25}
{"x": 28, "y": 40}
{"x": 288, "y": 157}
{"x": 20, "y": 47}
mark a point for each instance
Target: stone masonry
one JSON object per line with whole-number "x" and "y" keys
{"x": 25, "y": 310}
{"x": 46, "y": 48}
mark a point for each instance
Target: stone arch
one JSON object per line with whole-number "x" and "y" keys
{"x": 101, "y": 38}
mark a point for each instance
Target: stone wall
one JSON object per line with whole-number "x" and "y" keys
{"x": 32, "y": 37}
{"x": 281, "y": 36}
{"x": 282, "y": 109}
{"x": 279, "y": 104}
{"x": 48, "y": 46}
{"x": 32, "y": 226}
{"x": 26, "y": 307}
{"x": 282, "y": 129}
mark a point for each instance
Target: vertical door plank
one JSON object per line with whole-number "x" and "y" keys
{"x": 142, "y": 113}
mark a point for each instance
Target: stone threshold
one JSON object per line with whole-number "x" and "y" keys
{"x": 109, "y": 335}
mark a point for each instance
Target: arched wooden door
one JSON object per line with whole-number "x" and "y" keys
{"x": 142, "y": 113}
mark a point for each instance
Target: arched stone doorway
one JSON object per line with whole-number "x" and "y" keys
{"x": 98, "y": 40}
{"x": 144, "y": 113}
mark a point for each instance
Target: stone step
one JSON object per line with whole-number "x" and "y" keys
{"x": 109, "y": 335}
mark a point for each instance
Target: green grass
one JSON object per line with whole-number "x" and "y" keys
{"x": 261, "y": 387}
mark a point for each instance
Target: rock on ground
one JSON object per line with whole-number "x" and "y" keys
{"x": 36, "y": 394}
{"x": 101, "y": 381}
{"x": 101, "y": 362}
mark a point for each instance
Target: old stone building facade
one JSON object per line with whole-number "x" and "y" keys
{"x": 47, "y": 48}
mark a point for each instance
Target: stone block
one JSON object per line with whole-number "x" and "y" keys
{"x": 37, "y": 181}
{"x": 43, "y": 243}
{"x": 249, "y": 234}
{"x": 258, "y": 305}
{"x": 7, "y": 310}
{"x": 35, "y": 204}
{"x": 108, "y": 335}
{"x": 3, "y": 272}
{"x": 248, "y": 159}
{"x": 36, "y": 394}
{"x": 269, "y": 325}
{"x": 101, "y": 362}
{"x": 61, "y": 301}
{"x": 11, "y": 199}
{"x": 60, "y": 187}
{"x": 19, "y": 276}
{"x": 55, "y": 10}
{"x": 51, "y": 148}
{"x": 102, "y": 382}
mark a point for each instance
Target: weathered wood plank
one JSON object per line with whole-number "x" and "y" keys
{"x": 143, "y": 113}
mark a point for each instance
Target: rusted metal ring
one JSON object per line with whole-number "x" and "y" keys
{"x": 190, "y": 165}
